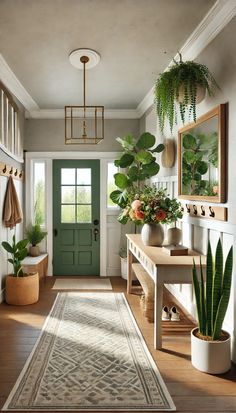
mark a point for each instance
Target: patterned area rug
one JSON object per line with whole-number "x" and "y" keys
{"x": 90, "y": 357}
{"x": 82, "y": 284}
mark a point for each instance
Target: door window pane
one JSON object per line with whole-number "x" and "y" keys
{"x": 84, "y": 213}
{"x": 68, "y": 176}
{"x": 39, "y": 193}
{"x": 83, "y": 176}
{"x": 84, "y": 194}
{"x": 68, "y": 214}
{"x": 68, "y": 194}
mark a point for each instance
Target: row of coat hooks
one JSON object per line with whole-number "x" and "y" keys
{"x": 7, "y": 170}
{"x": 218, "y": 213}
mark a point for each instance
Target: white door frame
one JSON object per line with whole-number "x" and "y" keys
{"x": 48, "y": 157}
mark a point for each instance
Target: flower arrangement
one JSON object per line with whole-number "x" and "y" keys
{"x": 150, "y": 205}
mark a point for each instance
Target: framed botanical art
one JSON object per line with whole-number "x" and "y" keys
{"x": 202, "y": 158}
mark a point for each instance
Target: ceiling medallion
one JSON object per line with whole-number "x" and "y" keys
{"x": 84, "y": 124}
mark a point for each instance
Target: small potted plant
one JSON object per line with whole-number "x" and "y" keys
{"x": 21, "y": 288}
{"x": 210, "y": 345}
{"x": 182, "y": 86}
{"x": 35, "y": 235}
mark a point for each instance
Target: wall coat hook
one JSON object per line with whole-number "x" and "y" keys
{"x": 15, "y": 172}
{"x": 20, "y": 174}
{"x": 11, "y": 171}
{"x": 5, "y": 169}
{"x": 212, "y": 213}
{"x": 188, "y": 208}
{"x": 195, "y": 209}
{"x": 203, "y": 212}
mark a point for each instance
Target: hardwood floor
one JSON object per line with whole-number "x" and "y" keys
{"x": 191, "y": 390}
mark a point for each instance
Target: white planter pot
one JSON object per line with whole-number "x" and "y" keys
{"x": 152, "y": 234}
{"x": 124, "y": 269}
{"x": 210, "y": 356}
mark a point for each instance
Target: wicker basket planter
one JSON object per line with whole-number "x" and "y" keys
{"x": 22, "y": 290}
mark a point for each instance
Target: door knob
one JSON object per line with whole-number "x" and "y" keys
{"x": 96, "y": 222}
{"x": 55, "y": 232}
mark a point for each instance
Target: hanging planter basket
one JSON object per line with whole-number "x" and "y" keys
{"x": 179, "y": 89}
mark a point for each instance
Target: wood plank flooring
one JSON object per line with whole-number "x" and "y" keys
{"x": 191, "y": 390}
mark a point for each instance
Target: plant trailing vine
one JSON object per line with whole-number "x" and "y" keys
{"x": 183, "y": 78}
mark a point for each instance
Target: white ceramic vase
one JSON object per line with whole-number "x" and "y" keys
{"x": 174, "y": 236}
{"x": 211, "y": 357}
{"x": 152, "y": 234}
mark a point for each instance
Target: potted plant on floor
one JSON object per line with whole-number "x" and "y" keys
{"x": 21, "y": 289}
{"x": 210, "y": 345}
{"x": 35, "y": 235}
{"x": 182, "y": 86}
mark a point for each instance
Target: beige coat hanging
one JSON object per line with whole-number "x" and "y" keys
{"x": 12, "y": 212}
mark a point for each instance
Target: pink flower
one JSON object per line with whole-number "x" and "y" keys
{"x": 160, "y": 215}
{"x": 136, "y": 204}
{"x": 139, "y": 214}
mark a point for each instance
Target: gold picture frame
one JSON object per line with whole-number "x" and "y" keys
{"x": 202, "y": 158}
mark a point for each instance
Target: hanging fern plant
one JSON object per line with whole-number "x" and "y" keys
{"x": 177, "y": 88}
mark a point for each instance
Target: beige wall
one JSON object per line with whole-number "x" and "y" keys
{"x": 48, "y": 135}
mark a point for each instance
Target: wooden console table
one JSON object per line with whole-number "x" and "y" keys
{"x": 36, "y": 264}
{"x": 163, "y": 269}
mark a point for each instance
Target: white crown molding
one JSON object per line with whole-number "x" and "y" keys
{"x": 15, "y": 87}
{"x": 212, "y": 24}
{"x": 60, "y": 114}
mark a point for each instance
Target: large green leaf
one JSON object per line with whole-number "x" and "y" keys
{"x": 150, "y": 169}
{"x": 128, "y": 142}
{"x": 209, "y": 280}
{"x": 217, "y": 282}
{"x": 7, "y": 247}
{"x": 189, "y": 156}
{"x": 125, "y": 160}
{"x": 144, "y": 157}
{"x": 197, "y": 295}
{"x": 202, "y": 301}
{"x": 202, "y": 167}
{"x": 119, "y": 198}
{"x": 22, "y": 244}
{"x": 146, "y": 140}
{"x": 159, "y": 148}
{"x": 121, "y": 180}
{"x": 189, "y": 141}
{"x": 224, "y": 301}
{"x": 133, "y": 173}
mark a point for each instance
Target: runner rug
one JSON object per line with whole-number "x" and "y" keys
{"x": 90, "y": 357}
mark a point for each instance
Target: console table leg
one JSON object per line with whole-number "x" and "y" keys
{"x": 129, "y": 272}
{"x": 157, "y": 316}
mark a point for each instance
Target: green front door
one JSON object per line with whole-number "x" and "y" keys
{"x": 76, "y": 215}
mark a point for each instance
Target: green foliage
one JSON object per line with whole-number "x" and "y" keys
{"x": 34, "y": 234}
{"x": 200, "y": 153}
{"x": 186, "y": 77}
{"x": 150, "y": 204}
{"x": 39, "y": 206}
{"x": 18, "y": 252}
{"x": 212, "y": 300}
{"x": 139, "y": 163}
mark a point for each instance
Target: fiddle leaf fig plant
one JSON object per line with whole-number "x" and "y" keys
{"x": 139, "y": 161}
{"x": 18, "y": 252}
{"x": 176, "y": 90}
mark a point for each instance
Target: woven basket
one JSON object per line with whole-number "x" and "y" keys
{"x": 22, "y": 290}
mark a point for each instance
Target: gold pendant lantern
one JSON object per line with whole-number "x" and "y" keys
{"x": 84, "y": 124}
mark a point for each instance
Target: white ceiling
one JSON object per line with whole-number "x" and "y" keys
{"x": 135, "y": 38}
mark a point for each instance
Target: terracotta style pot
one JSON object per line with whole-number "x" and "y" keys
{"x": 152, "y": 234}
{"x": 22, "y": 290}
{"x": 34, "y": 250}
{"x": 210, "y": 356}
{"x": 201, "y": 93}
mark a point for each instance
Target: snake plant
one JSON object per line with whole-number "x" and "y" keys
{"x": 212, "y": 298}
